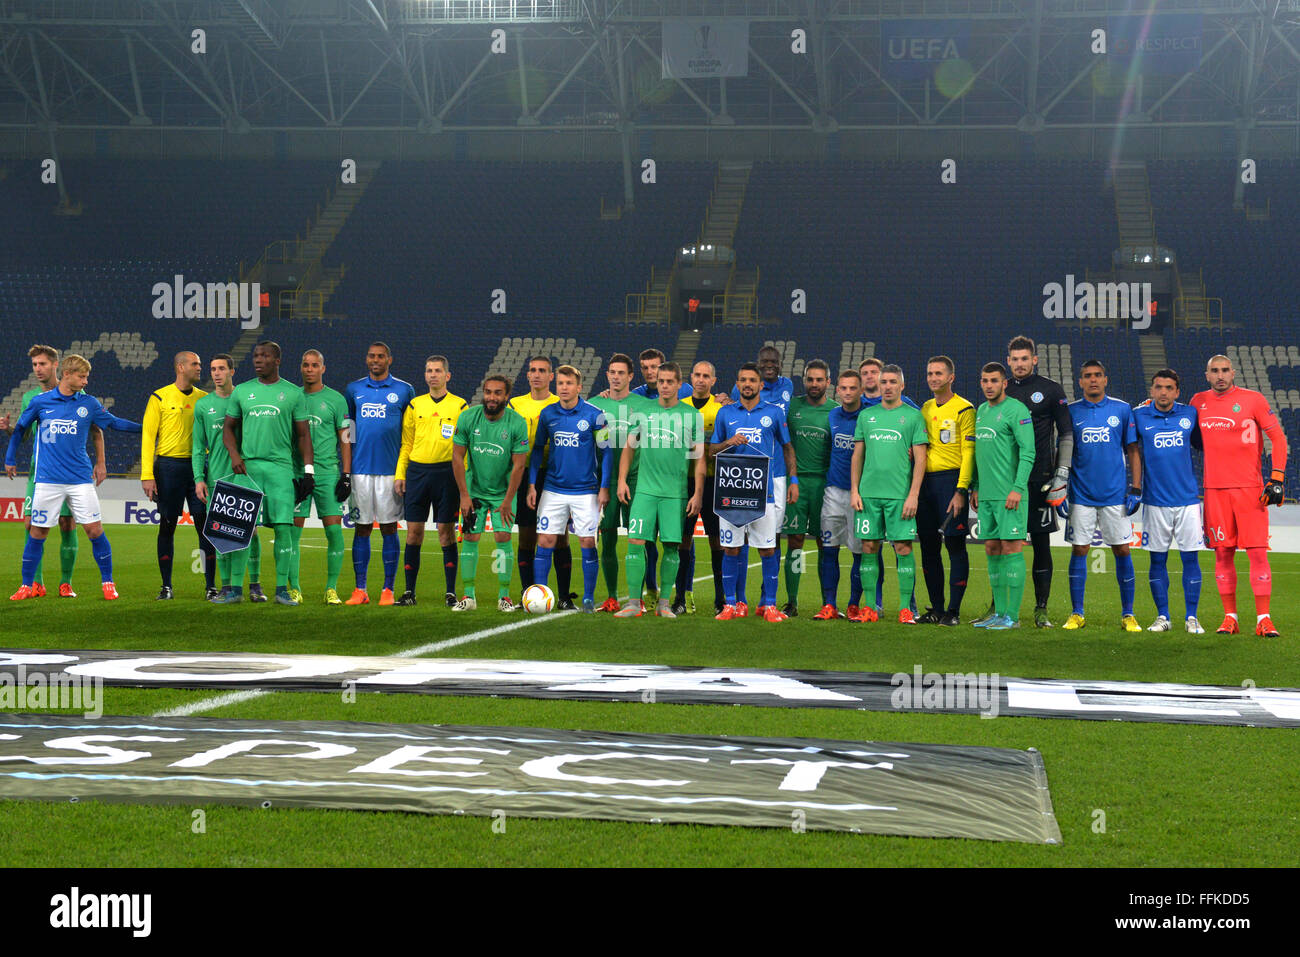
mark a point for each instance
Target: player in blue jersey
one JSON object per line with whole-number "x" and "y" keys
{"x": 837, "y": 510}
{"x": 63, "y": 417}
{"x": 651, "y": 360}
{"x": 577, "y": 479}
{"x": 751, "y": 426}
{"x": 869, "y": 369}
{"x": 1099, "y": 496}
{"x": 778, "y": 390}
{"x": 376, "y": 403}
{"x": 1167, "y": 430}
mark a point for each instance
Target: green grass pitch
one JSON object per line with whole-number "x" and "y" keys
{"x": 1171, "y": 795}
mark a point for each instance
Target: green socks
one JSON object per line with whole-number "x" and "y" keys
{"x": 995, "y": 581}
{"x": 672, "y": 560}
{"x": 468, "y": 566}
{"x": 295, "y": 556}
{"x": 906, "y": 577}
{"x": 636, "y": 570}
{"x": 793, "y": 566}
{"x": 283, "y": 554}
{"x": 253, "y": 557}
{"x": 503, "y": 560}
{"x": 870, "y": 572}
{"x": 67, "y": 554}
{"x": 1013, "y": 581}
{"x": 333, "y": 554}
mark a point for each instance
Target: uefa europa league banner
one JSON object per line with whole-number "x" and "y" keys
{"x": 704, "y": 49}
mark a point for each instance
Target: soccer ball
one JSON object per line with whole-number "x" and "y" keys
{"x": 538, "y": 599}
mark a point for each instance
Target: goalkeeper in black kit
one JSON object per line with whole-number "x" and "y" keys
{"x": 1053, "y": 453}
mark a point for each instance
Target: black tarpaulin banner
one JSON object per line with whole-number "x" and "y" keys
{"x": 921, "y": 790}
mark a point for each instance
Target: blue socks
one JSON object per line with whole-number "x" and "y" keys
{"x": 828, "y": 571}
{"x": 1191, "y": 581}
{"x": 1079, "y": 580}
{"x": 33, "y": 552}
{"x": 103, "y": 553}
{"x": 771, "y": 571}
{"x": 450, "y": 564}
{"x": 742, "y": 570}
{"x": 730, "y": 563}
{"x": 542, "y": 566}
{"x": 1159, "y": 578}
{"x": 1124, "y": 573}
{"x": 392, "y": 553}
{"x": 590, "y": 572}
{"x": 360, "y": 559}
{"x": 855, "y": 580}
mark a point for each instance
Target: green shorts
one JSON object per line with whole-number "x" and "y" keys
{"x": 616, "y": 514}
{"x": 654, "y": 513}
{"x": 999, "y": 522}
{"x": 275, "y": 479}
{"x": 492, "y": 505}
{"x": 804, "y": 517}
{"x": 322, "y": 495}
{"x": 883, "y": 518}
{"x": 31, "y": 490}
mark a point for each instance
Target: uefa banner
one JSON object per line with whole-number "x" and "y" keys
{"x": 987, "y": 694}
{"x": 705, "y": 49}
{"x": 920, "y": 790}
{"x": 1169, "y": 43}
{"x": 913, "y": 49}
{"x": 740, "y": 487}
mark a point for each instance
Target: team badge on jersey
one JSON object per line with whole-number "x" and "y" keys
{"x": 583, "y": 425}
{"x": 767, "y": 419}
{"x": 1185, "y": 422}
{"x": 1113, "y": 421}
{"x": 1236, "y": 407}
{"x": 81, "y": 411}
{"x": 1036, "y": 397}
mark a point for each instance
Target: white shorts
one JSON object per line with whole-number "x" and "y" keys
{"x": 48, "y": 498}
{"x": 374, "y": 501}
{"x": 555, "y": 510}
{"x": 837, "y": 520}
{"x": 779, "y": 485}
{"x": 1116, "y": 527}
{"x": 1179, "y": 525}
{"x": 761, "y": 533}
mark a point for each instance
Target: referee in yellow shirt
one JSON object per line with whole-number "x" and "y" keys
{"x": 424, "y": 474}
{"x": 166, "y": 474}
{"x": 941, "y": 510}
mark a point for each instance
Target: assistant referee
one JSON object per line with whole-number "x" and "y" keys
{"x": 424, "y": 476}
{"x": 166, "y": 472}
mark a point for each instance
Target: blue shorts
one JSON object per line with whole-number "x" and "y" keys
{"x": 431, "y": 488}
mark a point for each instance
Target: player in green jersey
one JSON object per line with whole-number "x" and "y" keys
{"x": 665, "y": 437}
{"x": 327, "y": 420}
{"x": 618, "y": 403}
{"x": 210, "y": 462}
{"x": 264, "y": 417}
{"x": 889, "y": 449}
{"x": 45, "y": 367}
{"x": 492, "y": 440}
{"x": 808, "y": 419}
{"x": 1004, "y": 457}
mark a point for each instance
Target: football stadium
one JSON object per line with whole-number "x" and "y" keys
{"x": 875, "y": 356}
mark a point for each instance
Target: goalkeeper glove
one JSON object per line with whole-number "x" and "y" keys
{"x": 1272, "y": 494}
{"x": 1063, "y": 510}
{"x": 1133, "y": 500}
{"x": 302, "y": 487}
{"x": 343, "y": 488}
{"x": 1056, "y": 489}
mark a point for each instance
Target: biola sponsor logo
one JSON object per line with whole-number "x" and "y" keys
{"x": 565, "y": 439}
{"x": 63, "y": 692}
{"x": 1101, "y": 300}
{"x": 374, "y": 410}
{"x": 215, "y": 300}
{"x": 1168, "y": 440}
{"x": 931, "y": 690}
{"x": 61, "y": 427}
{"x": 75, "y": 909}
{"x": 1095, "y": 433}
{"x": 844, "y": 440}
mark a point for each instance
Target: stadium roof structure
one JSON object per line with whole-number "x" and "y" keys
{"x": 427, "y": 66}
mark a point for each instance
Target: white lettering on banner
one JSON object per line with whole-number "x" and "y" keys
{"x": 1022, "y": 695}
{"x": 549, "y": 767}
{"x": 391, "y": 763}
{"x": 130, "y": 669}
{"x": 568, "y": 440}
{"x": 806, "y": 775}
{"x": 1168, "y": 440}
{"x": 727, "y": 682}
{"x": 81, "y": 742}
{"x": 373, "y": 410}
{"x": 323, "y": 749}
{"x": 1095, "y": 433}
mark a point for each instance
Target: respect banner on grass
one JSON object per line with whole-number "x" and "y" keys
{"x": 991, "y": 695}
{"x": 921, "y": 790}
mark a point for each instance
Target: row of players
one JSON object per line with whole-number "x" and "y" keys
{"x": 864, "y": 480}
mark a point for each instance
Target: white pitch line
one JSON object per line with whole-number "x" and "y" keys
{"x": 237, "y": 697}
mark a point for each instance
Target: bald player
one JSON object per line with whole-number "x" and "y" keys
{"x": 1231, "y": 421}
{"x": 166, "y": 472}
